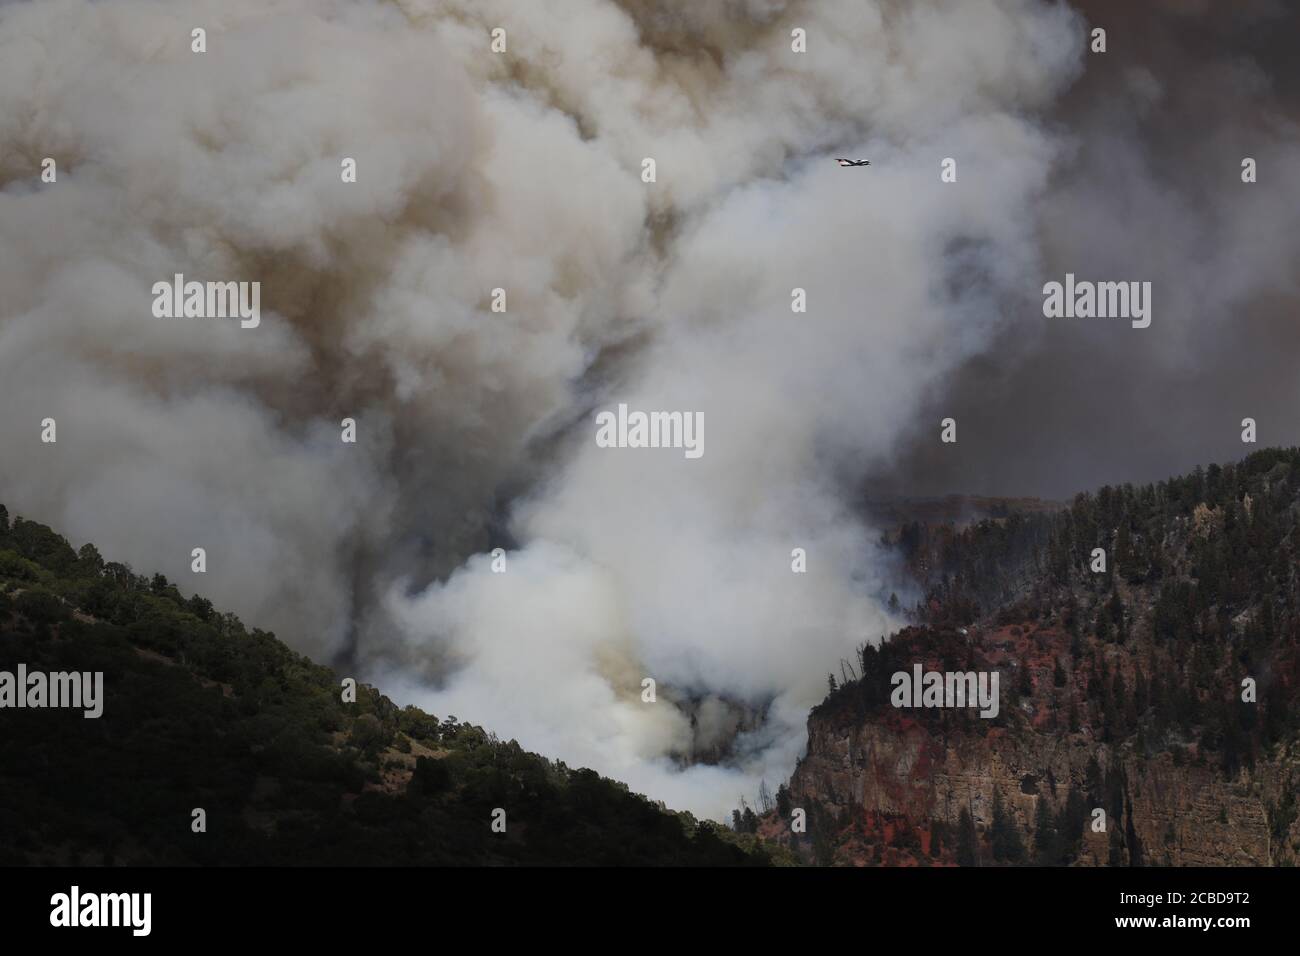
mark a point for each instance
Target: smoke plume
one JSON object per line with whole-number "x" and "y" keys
{"x": 522, "y": 171}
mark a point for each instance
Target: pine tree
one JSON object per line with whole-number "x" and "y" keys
{"x": 938, "y": 835}
{"x": 1141, "y": 693}
{"x": 783, "y": 801}
{"x": 967, "y": 840}
{"x": 1046, "y": 839}
{"x": 1007, "y": 845}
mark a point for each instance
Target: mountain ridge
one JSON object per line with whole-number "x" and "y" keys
{"x": 204, "y": 713}
{"x": 1121, "y": 690}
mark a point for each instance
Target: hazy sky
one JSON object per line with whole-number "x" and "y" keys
{"x": 1152, "y": 190}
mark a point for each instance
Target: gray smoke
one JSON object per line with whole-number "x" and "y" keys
{"x": 476, "y": 428}
{"x": 1150, "y": 189}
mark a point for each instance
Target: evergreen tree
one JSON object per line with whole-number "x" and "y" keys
{"x": 938, "y": 835}
{"x": 89, "y": 561}
{"x": 1047, "y": 848}
{"x": 967, "y": 840}
{"x": 1007, "y": 845}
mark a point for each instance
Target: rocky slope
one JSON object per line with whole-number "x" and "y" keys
{"x": 1121, "y": 693}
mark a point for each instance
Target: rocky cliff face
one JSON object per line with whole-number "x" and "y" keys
{"x": 889, "y": 787}
{"x": 884, "y": 778}
{"x": 1146, "y": 643}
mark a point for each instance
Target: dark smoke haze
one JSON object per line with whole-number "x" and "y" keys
{"x": 1158, "y": 127}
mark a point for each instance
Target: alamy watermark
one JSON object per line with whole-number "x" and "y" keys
{"x": 1101, "y": 300}
{"x": 651, "y": 430}
{"x": 208, "y": 300}
{"x": 36, "y": 689}
{"x": 75, "y": 908}
{"x": 946, "y": 689}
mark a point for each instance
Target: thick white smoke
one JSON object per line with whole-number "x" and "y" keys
{"x": 521, "y": 171}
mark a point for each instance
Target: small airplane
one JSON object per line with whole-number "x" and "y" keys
{"x": 853, "y": 162}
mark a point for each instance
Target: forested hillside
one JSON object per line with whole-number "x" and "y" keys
{"x": 1159, "y": 689}
{"x": 202, "y": 712}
